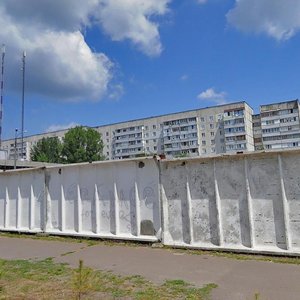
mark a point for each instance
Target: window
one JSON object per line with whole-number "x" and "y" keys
{"x": 203, "y": 134}
{"x": 154, "y": 126}
{"x": 146, "y": 127}
{"x": 211, "y": 126}
{"x": 202, "y": 119}
{"x": 203, "y": 127}
{"x": 155, "y": 148}
{"x": 203, "y": 143}
{"x": 107, "y": 134}
{"x": 212, "y": 134}
{"x": 154, "y": 133}
{"x": 203, "y": 151}
{"x": 211, "y": 118}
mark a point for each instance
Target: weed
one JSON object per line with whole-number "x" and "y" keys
{"x": 83, "y": 281}
{"x": 256, "y": 296}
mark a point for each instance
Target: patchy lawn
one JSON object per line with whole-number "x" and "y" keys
{"x": 24, "y": 279}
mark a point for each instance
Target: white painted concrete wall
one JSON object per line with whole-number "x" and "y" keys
{"x": 248, "y": 202}
{"x": 22, "y": 200}
{"x": 110, "y": 199}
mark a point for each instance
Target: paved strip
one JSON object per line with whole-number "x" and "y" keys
{"x": 237, "y": 280}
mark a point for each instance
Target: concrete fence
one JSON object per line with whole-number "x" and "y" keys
{"x": 110, "y": 199}
{"x": 248, "y": 202}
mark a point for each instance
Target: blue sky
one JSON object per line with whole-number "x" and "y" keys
{"x": 97, "y": 62}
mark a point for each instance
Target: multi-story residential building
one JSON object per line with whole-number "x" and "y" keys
{"x": 238, "y": 129}
{"x": 218, "y": 129}
{"x": 15, "y": 144}
{"x": 189, "y": 133}
{"x": 257, "y": 134}
{"x": 280, "y": 125}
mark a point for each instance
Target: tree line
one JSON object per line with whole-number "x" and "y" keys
{"x": 79, "y": 144}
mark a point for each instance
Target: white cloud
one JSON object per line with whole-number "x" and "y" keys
{"x": 131, "y": 19}
{"x": 117, "y": 91}
{"x": 213, "y": 96}
{"x": 59, "y": 62}
{"x": 276, "y": 18}
{"x": 57, "y": 127}
{"x": 184, "y": 77}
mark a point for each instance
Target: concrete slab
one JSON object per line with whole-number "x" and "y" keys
{"x": 237, "y": 280}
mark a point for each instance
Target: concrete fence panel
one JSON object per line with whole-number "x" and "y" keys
{"x": 110, "y": 199}
{"x": 243, "y": 202}
{"x": 22, "y": 201}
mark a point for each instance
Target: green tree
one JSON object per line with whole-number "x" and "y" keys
{"x": 47, "y": 150}
{"x": 82, "y": 145}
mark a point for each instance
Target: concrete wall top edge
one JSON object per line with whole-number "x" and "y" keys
{"x": 94, "y": 163}
{"x": 156, "y": 158}
{"x": 234, "y": 155}
{"x": 27, "y": 170}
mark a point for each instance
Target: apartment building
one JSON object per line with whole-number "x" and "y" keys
{"x": 238, "y": 129}
{"x": 189, "y": 133}
{"x": 14, "y": 146}
{"x": 218, "y": 129}
{"x": 257, "y": 133}
{"x": 280, "y": 127}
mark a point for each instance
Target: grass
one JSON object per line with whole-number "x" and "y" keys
{"x": 92, "y": 242}
{"x": 23, "y": 279}
{"x": 240, "y": 256}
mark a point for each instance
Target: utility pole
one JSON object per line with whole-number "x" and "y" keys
{"x": 15, "y": 156}
{"x": 23, "y": 99}
{"x": 2, "y": 90}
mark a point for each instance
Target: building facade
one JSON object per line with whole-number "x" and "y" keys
{"x": 229, "y": 128}
{"x": 189, "y": 133}
{"x": 280, "y": 127}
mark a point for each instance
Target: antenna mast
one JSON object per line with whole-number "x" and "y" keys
{"x": 23, "y": 98}
{"x": 2, "y": 90}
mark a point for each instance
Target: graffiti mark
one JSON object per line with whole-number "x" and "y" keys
{"x": 105, "y": 214}
{"x": 149, "y": 196}
{"x": 86, "y": 214}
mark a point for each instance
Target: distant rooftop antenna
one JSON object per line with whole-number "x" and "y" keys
{"x": 2, "y": 90}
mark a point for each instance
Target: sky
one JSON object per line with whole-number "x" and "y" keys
{"x": 96, "y": 62}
